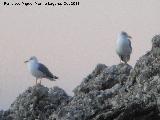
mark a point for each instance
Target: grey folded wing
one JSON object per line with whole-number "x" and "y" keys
{"x": 45, "y": 71}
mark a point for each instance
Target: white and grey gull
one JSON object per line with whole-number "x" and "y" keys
{"x": 123, "y": 46}
{"x": 39, "y": 70}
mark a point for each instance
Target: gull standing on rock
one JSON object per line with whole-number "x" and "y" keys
{"x": 123, "y": 46}
{"x": 39, "y": 70}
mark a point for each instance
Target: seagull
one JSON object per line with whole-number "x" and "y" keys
{"x": 38, "y": 70}
{"x": 123, "y": 46}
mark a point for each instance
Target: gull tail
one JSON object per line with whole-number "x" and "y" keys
{"x": 53, "y": 78}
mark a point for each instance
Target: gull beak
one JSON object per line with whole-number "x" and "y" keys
{"x": 130, "y": 37}
{"x": 26, "y": 61}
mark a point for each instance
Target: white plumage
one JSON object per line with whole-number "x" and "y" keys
{"x": 38, "y": 70}
{"x": 33, "y": 68}
{"x": 123, "y": 46}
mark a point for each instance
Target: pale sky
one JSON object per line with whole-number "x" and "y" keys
{"x": 70, "y": 40}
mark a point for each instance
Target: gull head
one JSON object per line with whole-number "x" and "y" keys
{"x": 32, "y": 59}
{"x": 125, "y": 34}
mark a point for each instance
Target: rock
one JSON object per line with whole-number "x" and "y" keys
{"x": 103, "y": 78}
{"x": 5, "y": 115}
{"x": 38, "y": 102}
{"x": 92, "y": 96}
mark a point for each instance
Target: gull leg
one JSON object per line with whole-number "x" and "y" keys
{"x": 36, "y": 81}
{"x": 40, "y": 81}
{"x": 121, "y": 59}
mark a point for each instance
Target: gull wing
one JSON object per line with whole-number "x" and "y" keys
{"x": 45, "y": 70}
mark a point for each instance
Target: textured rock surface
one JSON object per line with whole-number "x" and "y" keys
{"x": 95, "y": 93}
{"x": 38, "y": 103}
{"x": 119, "y": 92}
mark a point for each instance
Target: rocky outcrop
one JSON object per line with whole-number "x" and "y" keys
{"x": 5, "y": 115}
{"x": 118, "y": 92}
{"x": 38, "y": 103}
{"x": 95, "y": 93}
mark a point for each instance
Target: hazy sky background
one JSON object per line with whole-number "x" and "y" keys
{"x": 70, "y": 40}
